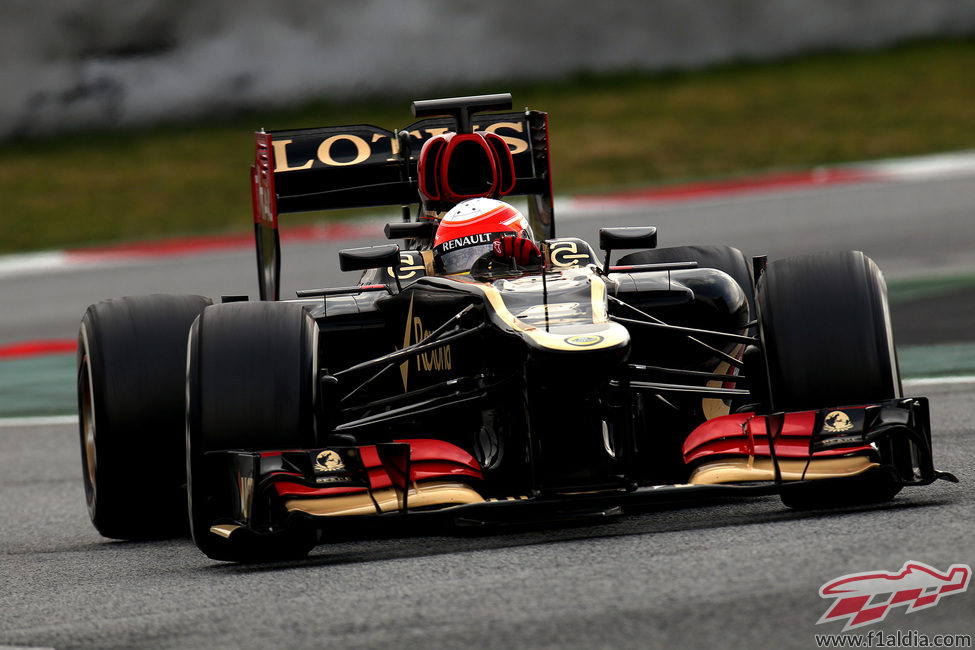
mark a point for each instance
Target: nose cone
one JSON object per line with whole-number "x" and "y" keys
{"x": 578, "y": 357}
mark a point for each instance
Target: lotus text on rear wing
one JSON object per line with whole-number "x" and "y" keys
{"x": 372, "y": 145}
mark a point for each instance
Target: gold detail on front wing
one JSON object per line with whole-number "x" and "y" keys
{"x": 742, "y": 469}
{"x": 424, "y": 495}
{"x": 837, "y": 422}
{"x": 224, "y": 530}
{"x": 329, "y": 461}
{"x": 245, "y": 488}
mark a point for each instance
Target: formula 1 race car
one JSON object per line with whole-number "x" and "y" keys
{"x": 534, "y": 382}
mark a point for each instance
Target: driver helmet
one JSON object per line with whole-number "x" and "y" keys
{"x": 467, "y": 230}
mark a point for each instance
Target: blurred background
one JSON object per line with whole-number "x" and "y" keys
{"x": 126, "y": 120}
{"x": 126, "y": 141}
{"x": 97, "y": 63}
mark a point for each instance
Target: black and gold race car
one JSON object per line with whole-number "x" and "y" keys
{"x": 554, "y": 386}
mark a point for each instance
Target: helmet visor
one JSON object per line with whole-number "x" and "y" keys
{"x": 462, "y": 259}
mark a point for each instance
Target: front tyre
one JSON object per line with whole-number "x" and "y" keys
{"x": 827, "y": 332}
{"x": 827, "y": 335}
{"x": 250, "y": 384}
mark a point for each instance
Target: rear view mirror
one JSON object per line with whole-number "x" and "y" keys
{"x": 611, "y": 239}
{"x": 369, "y": 257}
{"x": 410, "y": 230}
{"x": 626, "y": 238}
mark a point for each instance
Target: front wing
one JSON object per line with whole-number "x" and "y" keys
{"x": 841, "y": 451}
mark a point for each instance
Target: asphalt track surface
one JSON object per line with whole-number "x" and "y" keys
{"x": 730, "y": 574}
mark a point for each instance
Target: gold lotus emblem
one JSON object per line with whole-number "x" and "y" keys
{"x": 837, "y": 421}
{"x": 329, "y": 461}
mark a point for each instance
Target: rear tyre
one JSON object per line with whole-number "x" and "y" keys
{"x": 724, "y": 258}
{"x": 131, "y": 388}
{"x": 250, "y": 386}
{"x": 828, "y": 340}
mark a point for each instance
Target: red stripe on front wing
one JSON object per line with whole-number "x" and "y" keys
{"x": 744, "y": 434}
{"x": 430, "y": 460}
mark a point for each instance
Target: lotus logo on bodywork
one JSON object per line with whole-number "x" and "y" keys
{"x": 584, "y": 340}
{"x": 837, "y": 421}
{"x": 329, "y": 461}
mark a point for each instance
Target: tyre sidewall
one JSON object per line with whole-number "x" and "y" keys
{"x": 250, "y": 386}
{"x": 826, "y": 330}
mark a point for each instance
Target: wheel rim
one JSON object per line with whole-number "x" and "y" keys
{"x": 88, "y": 432}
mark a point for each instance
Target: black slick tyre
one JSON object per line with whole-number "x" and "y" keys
{"x": 251, "y": 386}
{"x": 827, "y": 331}
{"x": 827, "y": 334}
{"x": 131, "y": 393}
{"x": 724, "y": 258}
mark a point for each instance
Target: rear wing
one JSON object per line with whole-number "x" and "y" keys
{"x": 361, "y": 165}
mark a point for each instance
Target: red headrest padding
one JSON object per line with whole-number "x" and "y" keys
{"x": 504, "y": 161}
{"x": 427, "y": 168}
{"x": 454, "y": 167}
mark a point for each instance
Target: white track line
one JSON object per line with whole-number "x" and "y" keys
{"x": 39, "y": 421}
{"x": 939, "y": 381}
{"x": 20, "y": 263}
{"x": 947, "y": 165}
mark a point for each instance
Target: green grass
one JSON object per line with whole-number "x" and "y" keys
{"x": 909, "y": 289}
{"x": 607, "y": 132}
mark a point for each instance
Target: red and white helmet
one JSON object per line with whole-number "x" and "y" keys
{"x": 467, "y": 230}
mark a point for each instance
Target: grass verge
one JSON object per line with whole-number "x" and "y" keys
{"x": 607, "y": 132}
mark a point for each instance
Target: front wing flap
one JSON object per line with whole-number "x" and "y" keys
{"x": 432, "y": 481}
{"x": 894, "y": 434}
